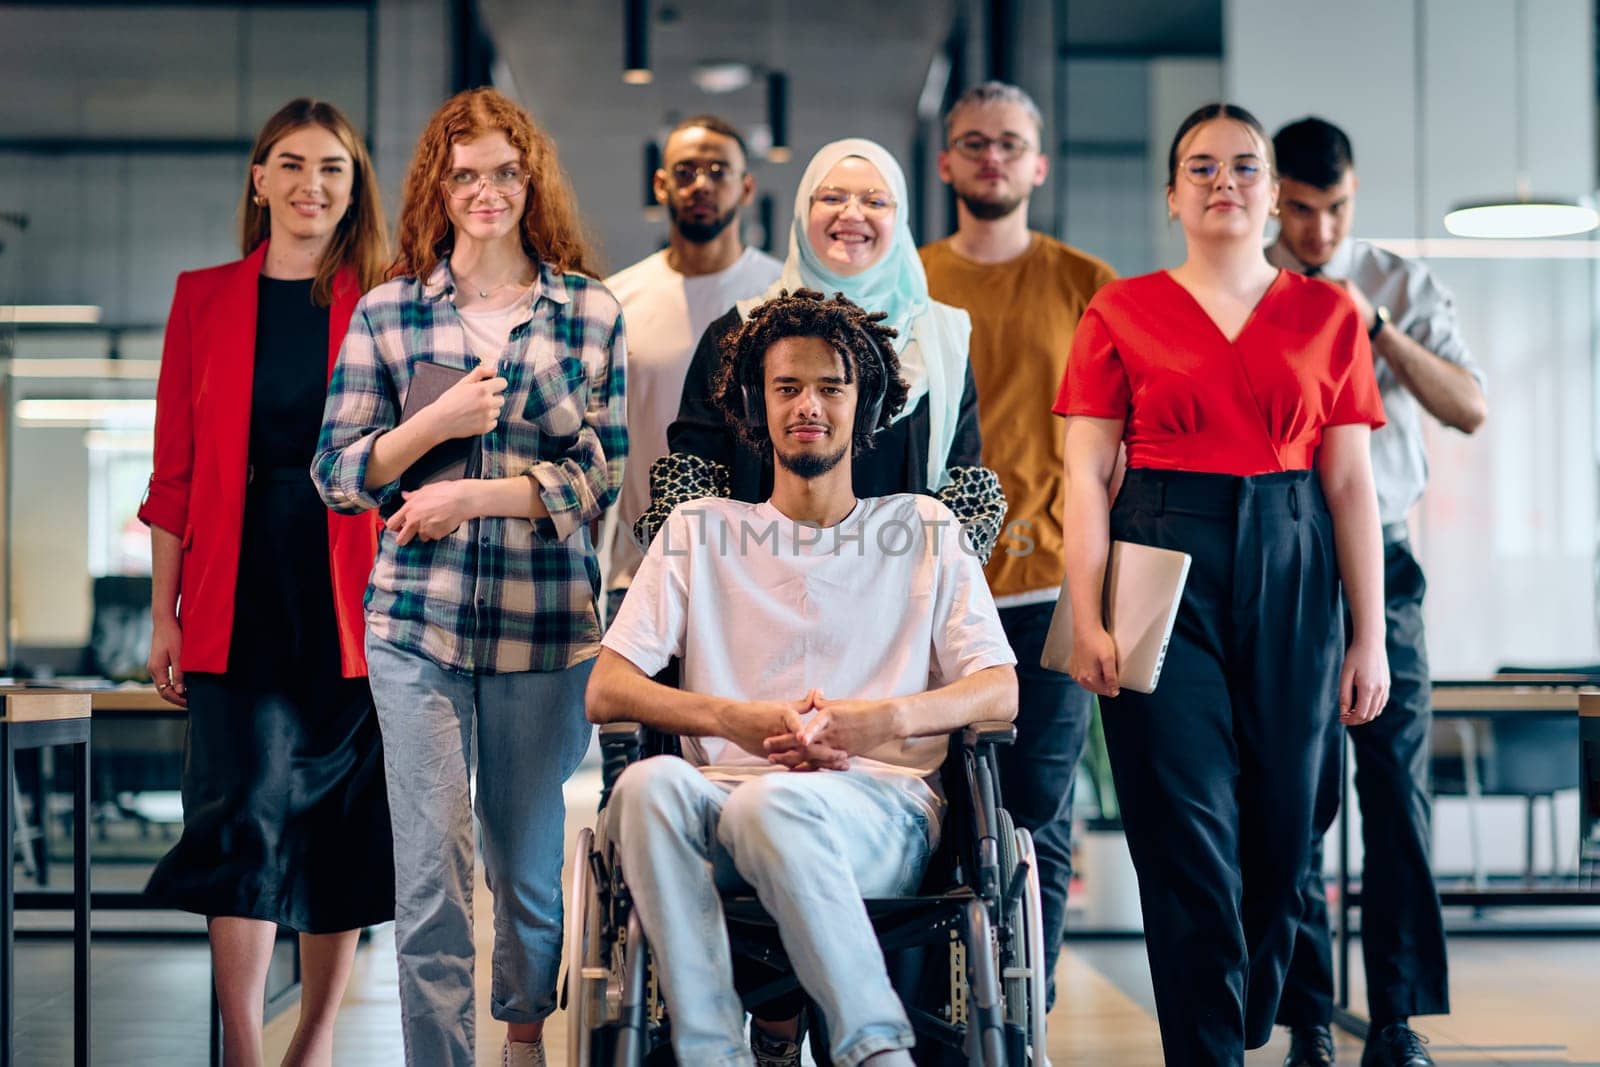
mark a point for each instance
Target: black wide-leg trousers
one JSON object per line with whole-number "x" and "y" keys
{"x": 1402, "y": 928}
{"x": 1216, "y": 771}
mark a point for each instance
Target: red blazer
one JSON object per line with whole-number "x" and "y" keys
{"x": 202, "y": 445}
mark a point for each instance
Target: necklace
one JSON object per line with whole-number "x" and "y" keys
{"x": 483, "y": 294}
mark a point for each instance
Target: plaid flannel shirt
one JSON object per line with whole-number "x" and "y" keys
{"x": 498, "y": 594}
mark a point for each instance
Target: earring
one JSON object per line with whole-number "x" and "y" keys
{"x": 1274, "y": 211}
{"x": 259, "y": 200}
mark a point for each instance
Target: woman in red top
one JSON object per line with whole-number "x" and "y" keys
{"x": 1246, "y": 397}
{"x": 257, "y": 589}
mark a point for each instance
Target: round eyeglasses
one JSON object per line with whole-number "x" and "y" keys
{"x": 974, "y": 145}
{"x": 875, "y": 203}
{"x": 465, "y": 184}
{"x": 686, "y": 173}
{"x": 1203, "y": 170}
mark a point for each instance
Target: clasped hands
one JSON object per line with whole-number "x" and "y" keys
{"x": 838, "y": 730}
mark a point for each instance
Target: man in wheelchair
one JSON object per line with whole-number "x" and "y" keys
{"x": 829, "y": 646}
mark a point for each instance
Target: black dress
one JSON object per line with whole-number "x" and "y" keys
{"x": 285, "y": 817}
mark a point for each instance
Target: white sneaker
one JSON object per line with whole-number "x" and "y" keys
{"x": 522, "y": 1054}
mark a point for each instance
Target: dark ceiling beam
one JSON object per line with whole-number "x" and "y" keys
{"x": 58, "y": 8}
{"x": 1141, "y": 50}
{"x": 128, "y": 146}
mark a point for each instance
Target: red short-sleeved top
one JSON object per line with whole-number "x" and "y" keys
{"x": 1146, "y": 352}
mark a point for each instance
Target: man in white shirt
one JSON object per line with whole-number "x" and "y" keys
{"x": 810, "y": 628}
{"x": 669, "y": 298}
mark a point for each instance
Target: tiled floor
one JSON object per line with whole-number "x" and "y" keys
{"x": 1517, "y": 1001}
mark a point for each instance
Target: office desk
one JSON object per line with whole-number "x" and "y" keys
{"x": 141, "y": 702}
{"x": 144, "y": 703}
{"x": 35, "y": 718}
{"x": 1543, "y": 696}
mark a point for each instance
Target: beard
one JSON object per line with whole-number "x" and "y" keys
{"x": 809, "y": 465}
{"x": 989, "y": 210}
{"x": 700, "y": 232}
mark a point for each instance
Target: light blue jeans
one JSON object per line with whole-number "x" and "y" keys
{"x": 812, "y": 845}
{"x": 529, "y": 733}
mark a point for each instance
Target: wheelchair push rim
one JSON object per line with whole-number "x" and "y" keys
{"x": 1032, "y": 934}
{"x": 581, "y": 914}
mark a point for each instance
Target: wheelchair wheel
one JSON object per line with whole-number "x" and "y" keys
{"x": 583, "y": 993}
{"x": 1030, "y": 936}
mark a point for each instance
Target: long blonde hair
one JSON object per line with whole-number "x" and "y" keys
{"x": 551, "y": 231}
{"x": 359, "y": 241}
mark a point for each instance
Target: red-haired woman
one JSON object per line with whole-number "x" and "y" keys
{"x": 481, "y": 616}
{"x": 285, "y": 818}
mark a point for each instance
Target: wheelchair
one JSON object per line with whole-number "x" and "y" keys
{"x": 965, "y": 955}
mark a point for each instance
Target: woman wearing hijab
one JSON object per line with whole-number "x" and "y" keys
{"x": 849, "y": 235}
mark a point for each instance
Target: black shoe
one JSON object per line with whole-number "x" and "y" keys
{"x": 1310, "y": 1046}
{"x": 772, "y": 1051}
{"x": 1396, "y": 1045}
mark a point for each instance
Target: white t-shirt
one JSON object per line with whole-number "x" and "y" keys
{"x": 665, "y": 314}
{"x": 488, "y": 331}
{"x": 889, "y": 602}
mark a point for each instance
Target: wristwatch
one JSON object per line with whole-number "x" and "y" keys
{"x": 1380, "y": 319}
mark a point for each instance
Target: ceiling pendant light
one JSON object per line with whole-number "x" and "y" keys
{"x": 778, "y": 150}
{"x": 636, "y": 42}
{"x": 1523, "y": 215}
{"x": 778, "y": 116}
{"x": 721, "y": 75}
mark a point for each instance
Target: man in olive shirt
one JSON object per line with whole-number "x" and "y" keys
{"x": 1423, "y": 365}
{"x": 1025, "y": 292}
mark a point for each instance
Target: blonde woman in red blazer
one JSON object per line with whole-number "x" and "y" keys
{"x": 257, "y": 589}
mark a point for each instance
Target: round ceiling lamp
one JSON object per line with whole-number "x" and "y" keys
{"x": 721, "y": 76}
{"x": 1521, "y": 215}
{"x": 1534, "y": 217}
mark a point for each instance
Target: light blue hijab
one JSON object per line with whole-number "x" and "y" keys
{"x": 896, "y": 283}
{"x": 932, "y": 340}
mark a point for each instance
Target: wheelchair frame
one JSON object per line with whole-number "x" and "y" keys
{"x": 981, "y": 1001}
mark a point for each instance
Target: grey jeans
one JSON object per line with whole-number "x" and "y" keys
{"x": 528, "y": 732}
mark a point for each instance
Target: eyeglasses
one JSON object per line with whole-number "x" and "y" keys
{"x": 465, "y": 184}
{"x": 974, "y": 145}
{"x": 687, "y": 173}
{"x": 1203, "y": 170}
{"x": 875, "y": 203}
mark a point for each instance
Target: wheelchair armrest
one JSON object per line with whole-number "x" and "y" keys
{"x": 613, "y": 734}
{"x": 975, "y": 792}
{"x": 989, "y": 732}
{"x": 621, "y": 743}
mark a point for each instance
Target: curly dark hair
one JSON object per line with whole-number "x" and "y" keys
{"x": 807, "y": 313}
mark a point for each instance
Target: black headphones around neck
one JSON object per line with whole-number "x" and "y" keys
{"x": 869, "y": 403}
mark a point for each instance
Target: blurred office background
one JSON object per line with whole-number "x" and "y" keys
{"x": 125, "y": 130}
{"x": 125, "y": 127}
